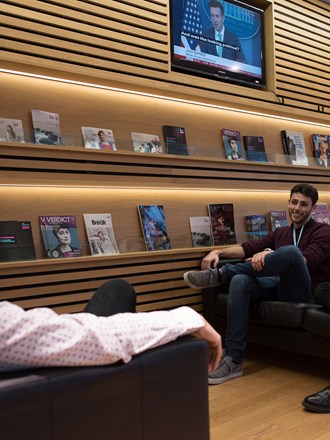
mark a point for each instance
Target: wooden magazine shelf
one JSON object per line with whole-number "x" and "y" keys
{"x": 31, "y": 164}
{"x": 45, "y": 180}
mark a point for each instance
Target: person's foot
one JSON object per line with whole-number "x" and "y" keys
{"x": 226, "y": 370}
{"x": 200, "y": 279}
{"x": 318, "y": 402}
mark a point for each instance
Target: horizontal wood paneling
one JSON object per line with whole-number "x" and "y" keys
{"x": 66, "y": 286}
{"x": 128, "y": 43}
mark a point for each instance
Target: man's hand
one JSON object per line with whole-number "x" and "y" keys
{"x": 213, "y": 339}
{"x": 258, "y": 260}
{"x": 211, "y": 260}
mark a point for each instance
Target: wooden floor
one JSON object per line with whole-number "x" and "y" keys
{"x": 265, "y": 403}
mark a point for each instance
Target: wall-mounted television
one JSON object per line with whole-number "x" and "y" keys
{"x": 222, "y": 39}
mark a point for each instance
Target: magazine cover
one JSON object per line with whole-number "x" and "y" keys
{"x": 154, "y": 227}
{"x": 11, "y": 130}
{"x": 175, "y": 140}
{"x": 278, "y": 218}
{"x": 16, "y": 242}
{"x": 100, "y": 234}
{"x": 222, "y": 223}
{"x": 232, "y": 144}
{"x": 321, "y": 213}
{"x": 200, "y": 231}
{"x": 60, "y": 237}
{"x": 98, "y": 138}
{"x": 146, "y": 143}
{"x": 255, "y": 148}
{"x": 46, "y": 127}
{"x": 256, "y": 226}
{"x": 294, "y": 144}
{"x": 321, "y": 149}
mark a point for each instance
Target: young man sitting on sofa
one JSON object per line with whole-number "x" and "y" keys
{"x": 286, "y": 265}
{"x": 107, "y": 331}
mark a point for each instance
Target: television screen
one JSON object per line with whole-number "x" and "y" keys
{"x": 221, "y": 39}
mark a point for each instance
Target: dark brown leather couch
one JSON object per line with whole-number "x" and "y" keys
{"x": 161, "y": 394}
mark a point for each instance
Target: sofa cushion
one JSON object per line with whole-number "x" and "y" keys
{"x": 272, "y": 313}
{"x": 317, "y": 322}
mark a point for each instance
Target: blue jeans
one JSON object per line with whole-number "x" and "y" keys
{"x": 284, "y": 277}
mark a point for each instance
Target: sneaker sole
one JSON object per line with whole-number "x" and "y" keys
{"x": 215, "y": 381}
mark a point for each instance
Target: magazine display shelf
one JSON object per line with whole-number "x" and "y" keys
{"x": 67, "y": 284}
{"x": 31, "y": 164}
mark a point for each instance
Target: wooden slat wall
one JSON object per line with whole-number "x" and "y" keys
{"x": 124, "y": 42}
{"x": 66, "y": 286}
{"x": 94, "y": 181}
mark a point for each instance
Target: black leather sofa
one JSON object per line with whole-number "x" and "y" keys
{"x": 297, "y": 327}
{"x": 161, "y": 394}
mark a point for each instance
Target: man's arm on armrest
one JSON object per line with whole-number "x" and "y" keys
{"x": 212, "y": 259}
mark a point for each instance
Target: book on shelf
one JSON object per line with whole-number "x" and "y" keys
{"x": 255, "y": 148}
{"x": 153, "y": 224}
{"x": 294, "y": 147}
{"x": 46, "y": 127}
{"x": 278, "y": 218}
{"x": 146, "y": 143}
{"x": 222, "y": 223}
{"x": 16, "y": 241}
{"x": 175, "y": 140}
{"x": 100, "y": 234}
{"x": 11, "y": 130}
{"x": 60, "y": 236}
{"x": 321, "y": 213}
{"x": 98, "y": 138}
{"x": 200, "y": 231}
{"x": 321, "y": 149}
{"x": 256, "y": 226}
{"x": 232, "y": 144}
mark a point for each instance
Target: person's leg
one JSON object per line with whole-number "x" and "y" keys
{"x": 115, "y": 296}
{"x": 287, "y": 262}
{"x": 242, "y": 290}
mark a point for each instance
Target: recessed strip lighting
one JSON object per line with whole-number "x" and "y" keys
{"x": 152, "y": 95}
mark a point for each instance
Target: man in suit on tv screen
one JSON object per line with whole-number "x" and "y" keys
{"x": 220, "y": 33}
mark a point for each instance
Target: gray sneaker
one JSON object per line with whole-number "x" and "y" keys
{"x": 226, "y": 370}
{"x": 200, "y": 279}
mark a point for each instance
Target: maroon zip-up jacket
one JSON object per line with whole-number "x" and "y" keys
{"x": 314, "y": 244}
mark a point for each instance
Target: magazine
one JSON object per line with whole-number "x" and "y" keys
{"x": 154, "y": 227}
{"x": 60, "y": 237}
{"x": 278, "y": 218}
{"x": 175, "y": 140}
{"x": 256, "y": 226}
{"x": 321, "y": 149}
{"x": 46, "y": 127}
{"x": 232, "y": 144}
{"x": 98, "y": 138}
{"x": 11, "y": 130}
{"x": 100, "y": 234}
{"x": 16, "y": 242}
{"x": 294, "y": 144}
{"x": 255, "y": 148}
{"x": 200, "y": 231}
{"x": 222, "y": 223}
{"x": 321, "y": 213}
{"x": 146, "y": 143}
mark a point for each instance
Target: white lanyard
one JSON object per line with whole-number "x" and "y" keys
{"x": 295, "y": 242}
